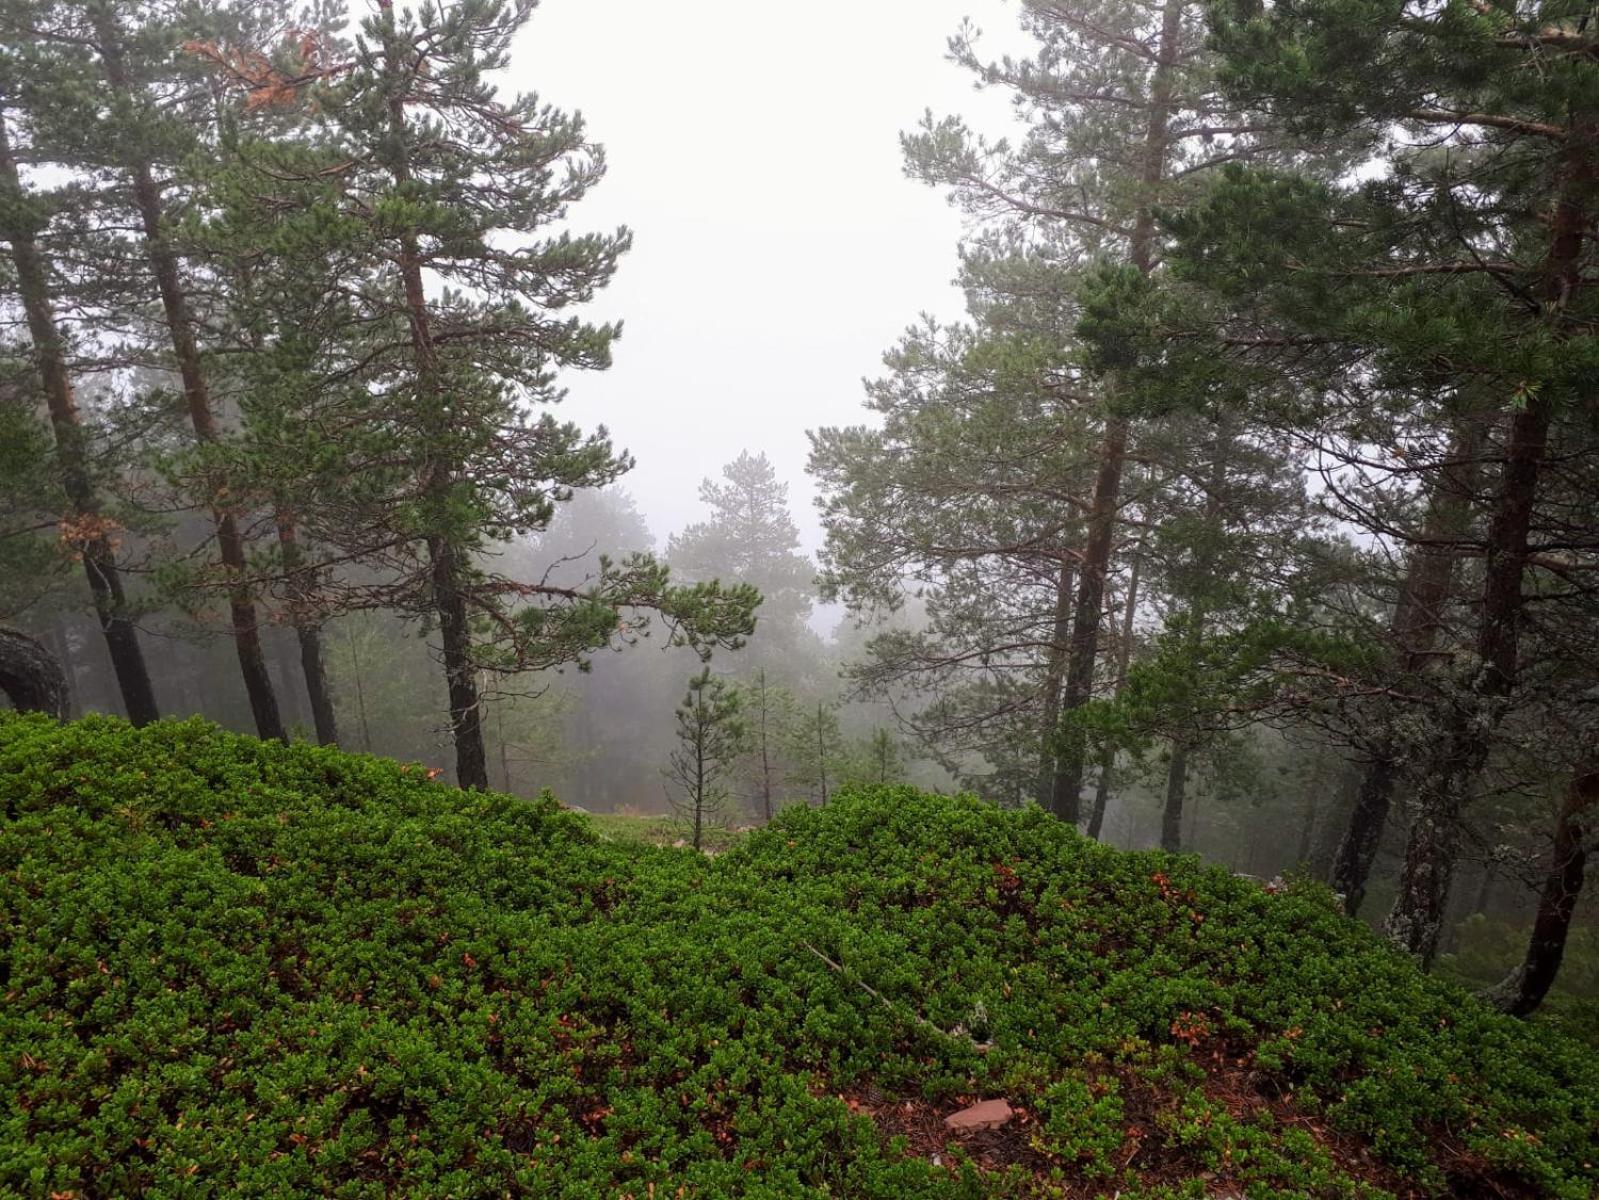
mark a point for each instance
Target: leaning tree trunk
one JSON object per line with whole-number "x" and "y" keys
{"x": 197, "y": 393}
{"x": 1417, "y": 917}
{"x": 89, "y": 531}
{"x": 1461, "y": 750}
{"x": 1066, "y": 801}
{"x": 1418, "y": 620}
{"x": 31, "y": 677}
{"x": 1528, "y": 984}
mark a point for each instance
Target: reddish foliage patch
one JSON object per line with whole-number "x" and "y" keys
{"x": 1232, "y": 1083}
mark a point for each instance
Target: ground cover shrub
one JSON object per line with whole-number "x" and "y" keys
{"x": 235, "y": 968}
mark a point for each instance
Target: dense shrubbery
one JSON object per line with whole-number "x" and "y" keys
{"x": 238, "y": 968}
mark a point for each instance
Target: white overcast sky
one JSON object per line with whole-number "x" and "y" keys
{"x": 779, "y": 247}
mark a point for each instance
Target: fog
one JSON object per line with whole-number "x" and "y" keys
{"x": 779, "y": 248}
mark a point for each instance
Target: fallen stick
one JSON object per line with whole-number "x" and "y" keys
{"x": 838, "y": 968}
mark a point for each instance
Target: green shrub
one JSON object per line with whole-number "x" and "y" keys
{"x": 234, "y": 968}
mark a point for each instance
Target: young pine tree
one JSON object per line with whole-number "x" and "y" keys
{"x": 711, "y": 735}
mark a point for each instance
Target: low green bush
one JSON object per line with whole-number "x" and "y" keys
{"x": 235, "y": 968}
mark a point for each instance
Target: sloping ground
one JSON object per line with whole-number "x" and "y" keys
{"x": 232, "y": 968}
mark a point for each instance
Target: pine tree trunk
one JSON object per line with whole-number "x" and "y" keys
{"x": 1054, "y": 676}
{"x": 180, "y": 325}
{"x": 445, "y": 569}
{"x": 1171, "y": 817}
{"x": 466, "y": 715}
{"x": 1307, "y": 831}
{"x": 360, "y": 690}
{"x": 1066, "y": 801}
{"x": 1416, "y": 921}
{"x": 99, "y": 558}
{"x": 30, "y": 676}
{"x": 766, "y": 751}
{"x": 821, "y": 752}
{"x": 1418, "y": 619}
{"x": 1107, "y": 757}
{"x": 1417, "y": 916}
{"x": 1358, "y": 849}
{"x": 309, "y": 635}
{"x": 1525, "y": 989}
{"x": 1066, "y": 796}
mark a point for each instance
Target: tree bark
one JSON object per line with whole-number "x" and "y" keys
{"x": 1416, "y": 921}
{"x": 313, "y": 663}
{"x": 1066, "y": 800}
{"x": 766, "y": 751}
{"x": 1358, "y": 849}
{"x": 1528, "y": 984}
{"x": 196, "y": 391}
{"x": 1054, "y": 676}
{"x": 1417, "y": 917}
{"x": 1171, "y": 817}
{"x": 446, "y": 572}
{"x": 1418, "y": 619}
{"x": 31, "y": 677}
{"x": 821, "y": 752}
{"x": 90, "y": 531}
{"x": 1107, "y": 757}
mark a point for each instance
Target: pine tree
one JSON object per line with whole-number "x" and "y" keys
{"x": 751, "y": 537}
{"x": 142, "y": 133}
{"x": 816, "y": 749}
{"x": 23, "y": 218}
{"x": 463, "y": 292}
{"x": 710, "y": 737}
{"x": 1478, "y": 231}
{"x": 1124, "y": 117}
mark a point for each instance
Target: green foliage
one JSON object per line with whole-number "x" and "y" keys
{"x": 242, "y": 968}
{"x": 711, "y": 734}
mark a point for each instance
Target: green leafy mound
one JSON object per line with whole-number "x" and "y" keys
{"x": 234, "y": 968}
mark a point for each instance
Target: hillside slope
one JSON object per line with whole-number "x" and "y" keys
{"x": 234, "y": 968}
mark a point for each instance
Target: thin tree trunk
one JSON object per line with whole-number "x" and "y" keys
{"x": 505, "y": 754}
{"x": 1107, "y": 757}
{"x": 821, "y": 752}
{"x": 360, "y": 690}
{"x": 1066, "y": 796}
{"x": 180, "y": 325}
{"x": 699, "y": 779}
{"x": 1054, "y": 677}
{"x": 1307, "y": 831}
{"x": 308, "y": 633}
{"x": 766, "y": 752}
{"x": 1171, "y": 817}
{"x": 1066, "y": 801}
{"x": 89, "y": 530}
{"x": 1528, "y": 984}
{"x": 1358, "y": 849}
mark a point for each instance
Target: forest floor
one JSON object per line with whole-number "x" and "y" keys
{"x": 234, "y": 967}
{"x": 663, "y": 831}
